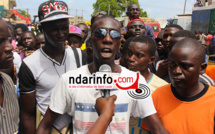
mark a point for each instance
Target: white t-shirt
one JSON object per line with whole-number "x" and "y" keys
{"x": 79, "y": 103}
{"x": 39, "y": 73}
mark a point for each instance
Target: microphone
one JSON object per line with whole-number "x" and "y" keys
{"x": 105, "y": 69}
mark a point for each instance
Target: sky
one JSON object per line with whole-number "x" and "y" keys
{"x": 155, "y": 8}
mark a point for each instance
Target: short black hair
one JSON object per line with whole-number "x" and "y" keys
{"x": 192, "y": 44}
{"x": 105, "y": 16}
{"x": 175, "y": 26}
{"x": 126, "y": 45}
{"x": 147, "y": 40}
{"x": 131, "y": 5}
{"x": 22, "y": 26}
{"x": 38, "y": 34}
{"x": 81, "y": 24}
{"x": 184, "y": 33}
{"x": 95, "y": 15}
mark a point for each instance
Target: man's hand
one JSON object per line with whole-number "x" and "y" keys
{"x": 105, "y": 106}
{"x": 162, "y": 68}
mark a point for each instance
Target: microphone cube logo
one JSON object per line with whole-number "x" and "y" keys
{"x": 104, "y": 81}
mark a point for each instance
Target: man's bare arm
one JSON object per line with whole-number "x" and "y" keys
{"x": 155, "y": 125}
{"x": 47, "y": 122}
{"x": 28, "y": 112}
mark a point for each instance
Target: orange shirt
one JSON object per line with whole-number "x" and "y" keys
{"x": 210, "y": 71}
{"x": 195, "y": 116}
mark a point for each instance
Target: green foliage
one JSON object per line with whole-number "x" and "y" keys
{"x": 117, "y": 7}
{"x": 24, "y": 13}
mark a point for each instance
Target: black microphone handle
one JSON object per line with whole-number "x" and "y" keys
{"x": 106, "y": 93}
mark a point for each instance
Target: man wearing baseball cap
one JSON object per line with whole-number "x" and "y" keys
{"x": 40, "y": 71}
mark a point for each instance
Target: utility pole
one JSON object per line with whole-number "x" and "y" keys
{"x": 27, "y": 10}
{"x": 126, "y": 6}
{"x": 184, "y": 6}
{"x": 108, "y": 9}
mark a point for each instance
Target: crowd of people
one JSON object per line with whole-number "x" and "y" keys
{"x": 35, "y": 68}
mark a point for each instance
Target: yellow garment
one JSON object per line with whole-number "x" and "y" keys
{"x": 156, "y": 82}
{"x": 83, "y": 47}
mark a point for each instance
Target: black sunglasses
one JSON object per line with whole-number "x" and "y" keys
{"x": 100, "y": 33}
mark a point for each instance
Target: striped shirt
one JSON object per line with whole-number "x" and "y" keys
{"x": 9, "y": 111}
{"x": 204, "y": 78}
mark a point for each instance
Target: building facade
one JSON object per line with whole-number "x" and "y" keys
{"x": 6, "y": 6}
{"x": 208, "y": 2}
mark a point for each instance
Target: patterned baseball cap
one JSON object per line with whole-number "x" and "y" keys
{"x": 76, "y": 31}
{"x": 53, "y": 10}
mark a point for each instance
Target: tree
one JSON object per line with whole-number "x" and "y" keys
{"x": 23, "y": 13}
{"x": 115, "y": 7}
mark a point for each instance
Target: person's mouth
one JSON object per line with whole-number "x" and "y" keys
{"x": 131, "y": 66}
{"x": 61, "y": 40}
{"x": 28, "y": 44}
{"x": 177, "y": 79}
{"x": 137, "y": 33}
{"x": 106, "y": 53}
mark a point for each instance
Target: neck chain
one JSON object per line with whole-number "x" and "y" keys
{"x": 57, "y": 71}
{"x": 56, "y": 62}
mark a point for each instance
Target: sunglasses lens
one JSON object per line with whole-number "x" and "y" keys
{"x": 115, "y": 34}
{"x": 100, "y": 33}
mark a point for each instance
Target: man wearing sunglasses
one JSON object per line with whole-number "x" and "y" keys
{"x": 79, "y": 103}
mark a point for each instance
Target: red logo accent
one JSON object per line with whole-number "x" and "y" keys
{"x": 133, "y": 86}
{"x": 72, "y": 29}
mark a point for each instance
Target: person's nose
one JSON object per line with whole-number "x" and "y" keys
{"x": 8, "y": 46}
{"x": 177, "y": 70}
{"x": 107, "y": 39}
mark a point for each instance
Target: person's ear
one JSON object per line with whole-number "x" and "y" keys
{"x": 151, "y": 59}
{"x": 203, "y": 68}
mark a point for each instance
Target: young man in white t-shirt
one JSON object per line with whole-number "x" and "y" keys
{"x": 79, "y": 103}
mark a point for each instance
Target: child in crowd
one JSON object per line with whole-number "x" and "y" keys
{"x": 27, "y": 40}
{"x": 75, "y": 37}
{"x": 141, "y": 53}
